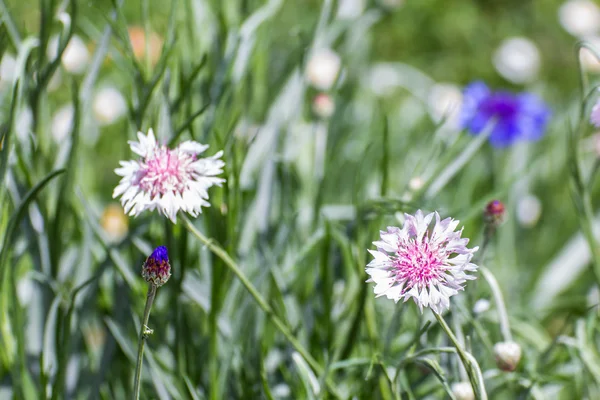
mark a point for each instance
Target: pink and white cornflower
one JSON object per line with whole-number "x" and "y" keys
{"x": 168, "y": 180}
{"x": 428, "y": 265}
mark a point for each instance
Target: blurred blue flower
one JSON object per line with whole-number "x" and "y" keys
{"x": 516, "y": 116}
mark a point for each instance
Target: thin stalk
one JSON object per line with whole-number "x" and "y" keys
{"x": 144, "y": 333}
{"x": 470, "y": 364}
{"x": 500, "y": 305}
{"x": 262, "y": 303}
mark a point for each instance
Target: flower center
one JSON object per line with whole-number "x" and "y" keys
{"x": 502, "y": 105}
{"x": 419, "y": 263}
{"x": 165, "y": 170}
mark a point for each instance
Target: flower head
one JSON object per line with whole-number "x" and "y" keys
{"x": 517, "y": 60}
{"x": 322, "y": 68}
{"x": 494, "y": 212}
{"x": 512, "y": 117}
{"x": 167, "y": 179}
{"x": 109, "y": 105}
{"x": 463, "y": 391}
{"x": 579, "y": 17}
{"x": 417, "y": 262}
{"x": 157, "y": 270}
{"x": 508, "y": 355}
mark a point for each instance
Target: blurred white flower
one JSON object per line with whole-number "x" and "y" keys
{"x": 481, "y": 306}
{"x": 529, "y": 209}
{"x": 416, "y": 183}
{"x": 589, "y": 61}
{"x": 463, "y": 391}
{"x": 281, "y": 390}
{"x": 508, "y": 355}
{"x": 109, "y": 105}
{"x": 7, "y": 69}
{"x": 62, "y": 122}
{"x": 517, "y": 59}
{"x": 350, "y": 9}
{"x": 323, "y": 105}
{"x": 76, "y": 56}
{"x": 579, "y": 17}
{"x": 323, "y": 68}
{"x": 444, "y": 101}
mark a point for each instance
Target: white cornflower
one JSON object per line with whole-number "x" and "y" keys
{"x": 166, "y": 179}
{"x": 579, "y": 17}
{"x": 323, "y": 68}
{"x": 416, "y": 262}
{"x": 517, "y": 60}
{"x": 109, "y": 105}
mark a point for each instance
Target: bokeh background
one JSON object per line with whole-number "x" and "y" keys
{"x": 312, "y": 176}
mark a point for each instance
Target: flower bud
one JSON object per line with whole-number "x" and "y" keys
{"x": 508, "y": 355}
{"x": 494, "y": 213}
{"x": 157, "y": 270}
{"x": 323, "y": 106}
{"x": 463, "y": 391}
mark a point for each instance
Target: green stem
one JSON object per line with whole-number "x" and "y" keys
{"x": 144, "y": 332}
{"x": 262, "y": 303}
{"x": 470, "y": 364}
{"x": 500, "y": 305}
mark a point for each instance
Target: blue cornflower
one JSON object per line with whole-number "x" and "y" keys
{"x": 157, "y": 270}
{"x": 516, "y": 116}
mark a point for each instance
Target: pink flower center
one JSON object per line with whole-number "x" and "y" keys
{"x": 165, "y": 170}
{"x": 419, "y": 263}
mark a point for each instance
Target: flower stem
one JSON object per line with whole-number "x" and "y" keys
{"x": 468, "y": 361}
{"x": 144, "y": 333}
{"x": 262, "y": 303}
{"x": 499, "y": 300}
